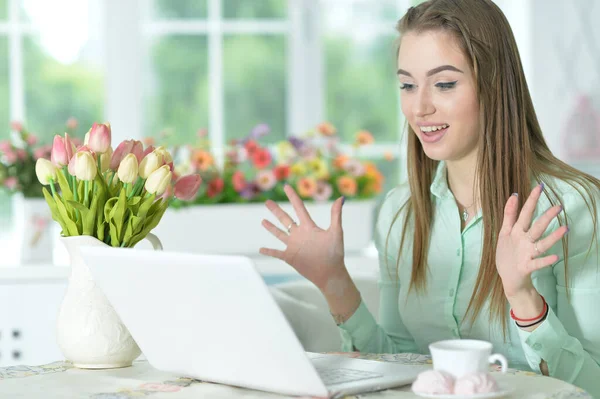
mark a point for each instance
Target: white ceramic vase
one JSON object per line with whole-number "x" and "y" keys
{"x": 90, "y": 333}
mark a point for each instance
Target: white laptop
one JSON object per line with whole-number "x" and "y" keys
{"x": 212, "y": 318}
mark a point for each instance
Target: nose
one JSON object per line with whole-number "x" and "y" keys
{"x": 423, "y": 105}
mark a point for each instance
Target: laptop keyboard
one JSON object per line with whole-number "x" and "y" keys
{"x": 341, "y": 375}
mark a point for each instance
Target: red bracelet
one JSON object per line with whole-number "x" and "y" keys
{"x": 512, "y": 314}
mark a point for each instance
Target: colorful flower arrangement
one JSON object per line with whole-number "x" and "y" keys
{"x": 115, "y": 196}
{"x": 314, "y": 164}
{"x": 18, "y": 156}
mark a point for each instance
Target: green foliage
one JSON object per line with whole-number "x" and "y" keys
{"x": 362, "y": 92}
{"x": 244, "y": 9}
{"x": 180, "y": 9}
{"x": 79, "y": 88}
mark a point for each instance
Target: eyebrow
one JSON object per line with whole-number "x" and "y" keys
{"x": 433, "y": 71}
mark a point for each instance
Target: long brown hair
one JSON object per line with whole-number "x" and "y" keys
{"x": 512, "y": 152}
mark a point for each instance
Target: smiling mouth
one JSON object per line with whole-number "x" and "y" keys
{"x": 433, "y": 134}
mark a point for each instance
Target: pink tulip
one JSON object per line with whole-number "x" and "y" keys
{"x": 147, "y": 151}
{"x": 72, "y": 165}
{"x": 22, "y": 154}
{"x": 138, "y": 150}
{"x": 58, "y": 156}
{"x": 100, "y": 137}
{"x": 121, "y": 152}
{"x": 168, "y": 192}
{"x": 85, "y": 148}
{"x": 187, "y": 187}
{"x": 70, "y": 147}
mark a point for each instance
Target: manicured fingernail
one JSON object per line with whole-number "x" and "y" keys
{"x": 541, "y": 186}
{"x": 566, "y": 232}
{"x": 515, "y": 194}
{"x": 343, "y": 200}
{"x": 560, "y": 209}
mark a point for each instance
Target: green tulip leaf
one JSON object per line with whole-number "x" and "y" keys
{"x": 65, "y": 188}
{"x": 69, "y": 223}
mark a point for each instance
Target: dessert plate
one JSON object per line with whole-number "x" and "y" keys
{"x": 503, "y": 391}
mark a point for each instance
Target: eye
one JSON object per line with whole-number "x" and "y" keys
{"x": 407, "y": 86}
{"x": 446, "y": 85}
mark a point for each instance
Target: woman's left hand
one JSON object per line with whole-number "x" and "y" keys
{"x": 520, "y": 250}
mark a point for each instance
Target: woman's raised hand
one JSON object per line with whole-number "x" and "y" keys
{"x": 521, "y": 248}
{"x": 315, "y": 253}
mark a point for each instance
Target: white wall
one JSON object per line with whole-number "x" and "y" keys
{"x": 565, "y": 51}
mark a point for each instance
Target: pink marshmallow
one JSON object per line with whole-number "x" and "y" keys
{"x": 475, "y": 383}
{"x": 433, "y": 382}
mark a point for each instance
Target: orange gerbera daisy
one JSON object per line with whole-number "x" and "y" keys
{"x": 364, "y": 137}
{"x": 202, "y": 160}
{"x": 347, "y": 186}
{"x": 326, "y": 129}
{"x": 340, "y": 161}
{"x": 307, "y": 187}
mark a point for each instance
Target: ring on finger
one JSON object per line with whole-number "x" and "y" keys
{"x": 530, "y": 238}
{"x": 535, "y": 245}
{"x": 289, "y": 228}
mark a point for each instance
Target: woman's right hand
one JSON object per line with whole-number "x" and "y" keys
{"x": 315, "y": 253}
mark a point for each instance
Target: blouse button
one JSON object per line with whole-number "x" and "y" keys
{"x": 537, "y": 347}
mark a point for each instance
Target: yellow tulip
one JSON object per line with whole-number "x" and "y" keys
{"x": 85, "y": 166}
{"x": 105, "y": 160}
{"x": 45, "y": 171}
{"x": 150, "y": 163}
{"x": 128, "y": 169}
{"x": 159, "y": 180}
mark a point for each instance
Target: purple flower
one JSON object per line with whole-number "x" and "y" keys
{"x": 250, "y": 191}
{"x": 296, "y": 142}
{"x": 260, "y": 130}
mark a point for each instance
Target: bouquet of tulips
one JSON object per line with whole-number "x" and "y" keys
{"x": 315, "y": 164}
{"x": 117, "y": 197}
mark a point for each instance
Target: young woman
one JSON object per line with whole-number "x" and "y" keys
{"x": 475, "y": 245}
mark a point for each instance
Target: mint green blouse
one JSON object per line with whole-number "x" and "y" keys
{"x": 568, "y": 340}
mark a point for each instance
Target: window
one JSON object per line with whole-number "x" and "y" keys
{"x": 166, "y": 68}
{"x": 217, "y": 65}
{"x": 50, "y": 68}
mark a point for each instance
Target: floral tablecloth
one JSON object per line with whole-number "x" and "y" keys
{"x": 62, "y": 380}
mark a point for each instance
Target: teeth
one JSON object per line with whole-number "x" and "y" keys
{"x": 433, "y": 128}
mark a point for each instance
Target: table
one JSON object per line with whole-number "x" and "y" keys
{"x": 62, "y": 380}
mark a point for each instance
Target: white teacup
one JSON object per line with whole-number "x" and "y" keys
{"x": 460, "y": 357}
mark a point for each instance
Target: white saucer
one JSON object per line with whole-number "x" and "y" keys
{"x": 503, "y": 392}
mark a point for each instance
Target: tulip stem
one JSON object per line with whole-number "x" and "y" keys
{"x": 138, "y": 184}
{"x": 86, "y": 188}
{"x": 52, "y": 188}
{"x": 74, "y": 181}
{"x": 111, "y": 179}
